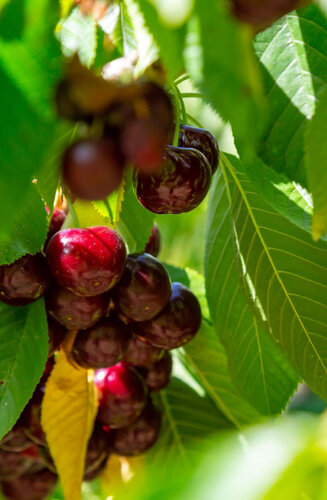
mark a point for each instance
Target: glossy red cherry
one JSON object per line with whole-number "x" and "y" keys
{"x": 176, "y": 324}
{"x": 24, "y": 281}
{"x": 146, "y": 132}
{"x": 73, "y": 311}
{"x": 141, "y": 353}
{"x": 140, "y": 436}
{"x": 158, "y": 376}
{"x": 179, "y": 186}
{"x": 87, "y": 261}
{"x": 37, "y": 486}
{"x": 56, "y": 335}
{"x": 57, "y": 219}
{"x": 154, "y": 243}
{"x": 122, "y": 395}
{"x": 92, "y": 169}
{"x": 102, "y": 345}
{"x": 144, "y": 289}
{"x": 202, "y": 140}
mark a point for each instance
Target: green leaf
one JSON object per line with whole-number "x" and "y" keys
{"x": 135, "y": 222}
{"x": 78, "y": 34}
{"x": 316, "y": 161}
{"x": 24, "y": 350}
{"x": 65, "y": 6}
{"x": 257, "y": 367}
{"x": 169, "y": 40}
{"x": 294, "y": 70}
{"x": 219, "y": 57}
{"x": 284, "y": 274}
{"x": 118, "y": 25}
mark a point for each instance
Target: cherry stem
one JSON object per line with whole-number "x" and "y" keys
{"x": 181, "y": 79}
{"x": 195, "y": 95}
{"x": 182, "y": 105}
{"x": 178, "y": 114}
{"x": 194, "y": 120}
{"x": 71, "y": 208}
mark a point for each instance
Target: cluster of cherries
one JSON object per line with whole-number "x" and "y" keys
{"x": 125, "y": 316}
{"x": 138, "y": 131}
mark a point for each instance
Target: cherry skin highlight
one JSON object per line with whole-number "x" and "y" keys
{"x": 140, "y": 353}
{"x": 176, "y": 324}
{"x": 92, "y": 169}
{"x": 24, "y": 281}
{"x": 102, "y": 345}
{"x": 202, "y": 140}
{"x": 140, "y": 436}
{"x": 154, "y": 243}
{"x": 179, "y": 186}
{"x": 122, "y": 395}
{"x": 87, "y": 261}
{"x": 144, "y": 288}
{"x": 157, "y": 377}
{"x": 73, "y": 311}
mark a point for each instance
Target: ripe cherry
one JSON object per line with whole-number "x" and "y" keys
{"x": 87, "y": 261}
{"x": 32, "y": 417}
{"x": 176, "y": 324}
{"x": 73, "y": 311}
{"x": 102, "y": 345}
{"x": 122, "y": 395}
{"x": 56, "y": 336}
{"x": 12, "y": 464}
{"x": 57, "y": 220}
{"x": 97, "y": 449}
{"x": 262, "y": 13}
{"x": 35, "y": 486}
{"x": 16, "y": 439}
{"x": 141, "y": 353}
{"x": 179, "y": 186}
{"x": 154, "y": 243}
{"x": 157, "y": 377}
{"x": 202, "y": 140}
{"x": 92, "y": 169}
{"x": 24, "y": 281}
{"x": 144, "y": 289}
{"x": 140, "y": 436}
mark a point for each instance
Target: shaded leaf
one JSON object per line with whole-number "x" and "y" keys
{"x": 68, "y": 412}
{"x": 24, "y": 350}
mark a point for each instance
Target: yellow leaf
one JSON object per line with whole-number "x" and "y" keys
{"x": 118, "y": 472}
{"x": 65, "y": 6}
{"x": 68, "y": 413}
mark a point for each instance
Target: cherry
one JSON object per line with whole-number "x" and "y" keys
{"x": 92, "y": 169}
{"x": 158, "y": 376}
{"x": 146, "y": 132}
{"x": 144, "y": 289}
{"x": 122, "y": 395}
{"x": 57, "y": 220}
{"x": 24, "y": 281}
{"x": 141, "y": 353}
{"x": 140, "y": 436}
{"x": 179, "y": 186}
{"x": 153, "y": 245}
{"x": 176, "y": 324}
{"x": 87, "y": 261}
{"x": 67, "y": 106}
{"x": 16, "y": 439}
{"x": 12, "y": 464}
{"x": 202, "y": 140}
{"x": 102, "y": 345}
{"x": 262, "y": 12}
{"x": 94, "y": 473}
{"x": 97, "y": 449}
{"x": 35, "y": 486}
{"x": 73, "y": 311}
{"x": 32, "y": 417}
{"x": 56, "y": 336}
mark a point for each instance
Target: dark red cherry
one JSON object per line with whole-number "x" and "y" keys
{"x": 263, "y": 12}
{"x": 37, "y": 486}
{"x": 73, "y": 311}
{"x": 141, "y": 353}
{"x": 144, "y": 289}
{"x": 24, "y": 281}
{"x": 177, "y": 323}
{"x": 56, "y": 335}
{"x": 87, "y": 261}
{"x": 57, "y": 220}
{"x": 32, "y": 417}
{"x": 140, "y": 436}
{"x": 147, "y": 131}
{"x": 92, "y": 169}
{"x": 102, "y": 345}
{"x": 12, "y": 464}
{"x": 98, "y": 448}
{"x": 154, "y": 243}
{"x": 67, "y": 106}
{"x": 94, "y": 473}
{"x": 202, "y": 140}
{"x": 158, "y": 376}
{"x": 16, "y": 439}
{"x": 122, "y": 395}
{"x": 179, "y": 186}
